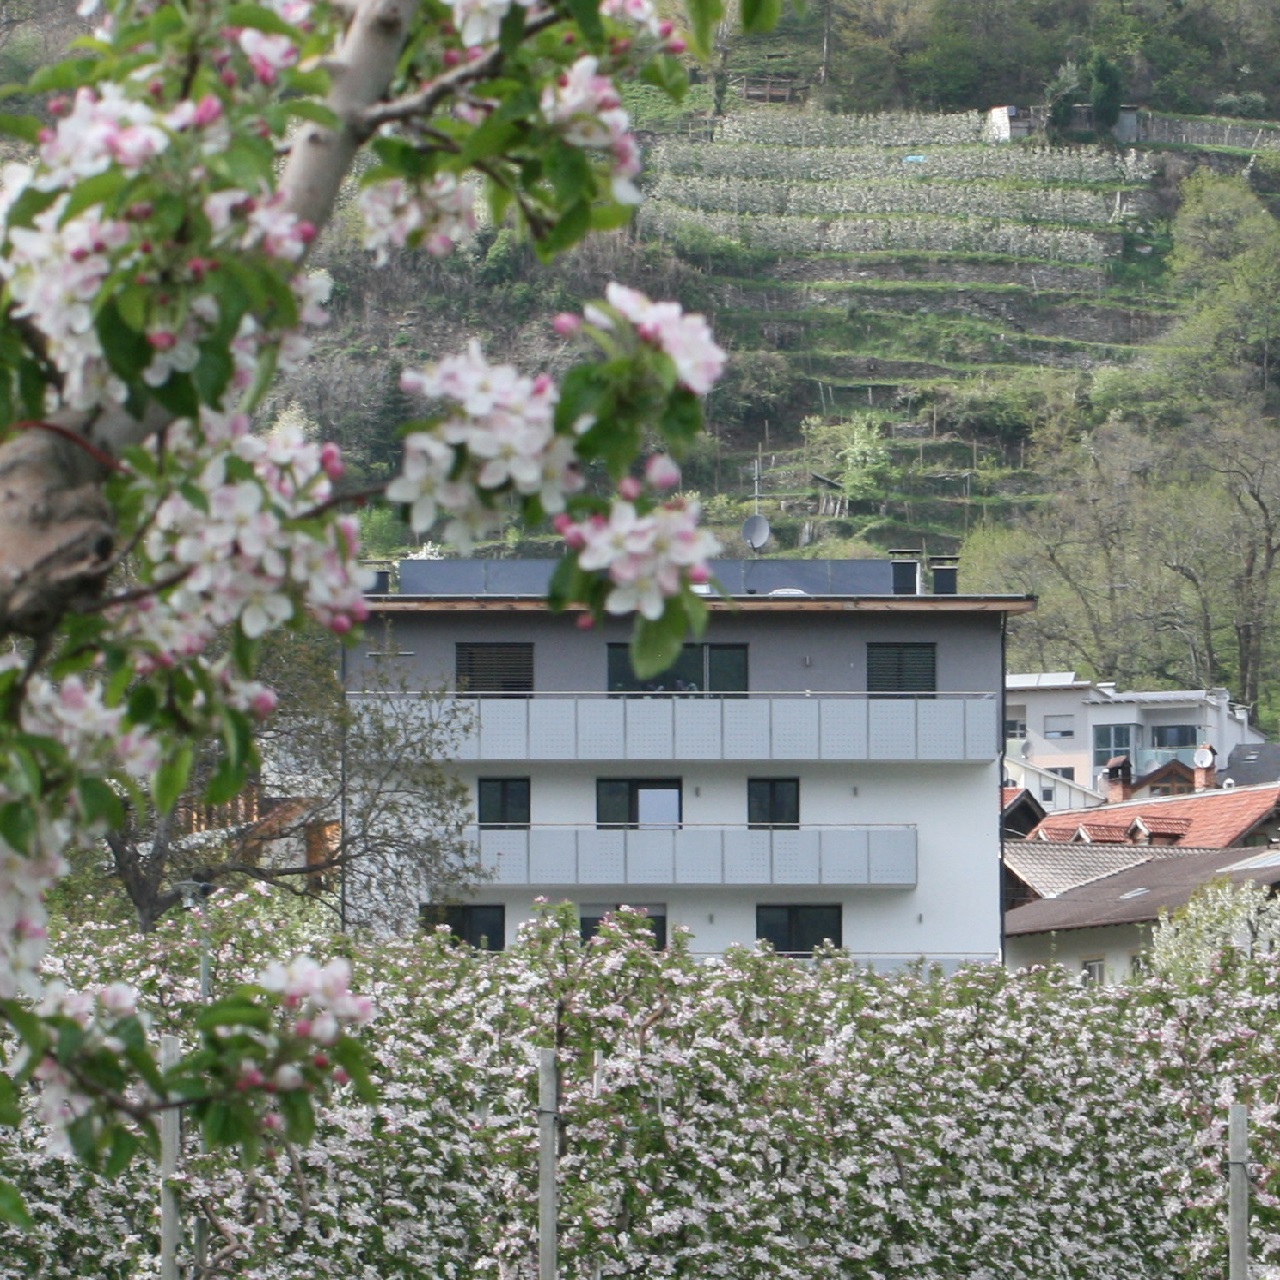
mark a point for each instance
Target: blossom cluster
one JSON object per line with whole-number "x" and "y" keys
{"x": 648, "y": 557}
{"x": 745, "y": 1116}
{"x": 685, "y": 339}
{"x": 497, "y": 434}
{"x": 439, "y": 215}
{"x": 584, "y": 107}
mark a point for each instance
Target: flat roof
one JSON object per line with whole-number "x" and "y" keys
{"x": 736, "y": 604}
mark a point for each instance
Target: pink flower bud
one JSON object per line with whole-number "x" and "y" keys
{"x": 566, "y": 324}
{"x": 303, "y": 1027}
{"x": 699, "y": 573}
{"x": 229, "y": 78}
{"x": 662, "y": 472}
{"x": 340, "y": 1076}
{"x": 676, "y": 46}
{"x": 264, "y": 703}
{"x": 629, "y": 488}
{"x": 320, "y": 1060}
{"x": 584, "y": 622}
{"x": 331, "y": 460}
{"x": 208, "y": 109}
{"x": 451, "y": 57}
{"x": 162, "y": 340}
{"x": 666, "y": 27}
{"x": 272, "y": 1123}
{"x": 340, "y": 624}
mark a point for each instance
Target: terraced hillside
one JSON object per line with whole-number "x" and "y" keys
{"x": 881, "y": 256}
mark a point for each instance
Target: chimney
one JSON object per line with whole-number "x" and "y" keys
{"x": 1119, "y": 779}
{"x": 1205, "y": 775}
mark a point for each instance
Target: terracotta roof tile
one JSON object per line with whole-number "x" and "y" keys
{"x": 1215, "y": 819}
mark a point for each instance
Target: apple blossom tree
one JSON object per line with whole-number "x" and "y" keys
{"x": 153, "y": 256}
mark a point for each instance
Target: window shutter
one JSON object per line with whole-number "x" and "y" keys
{"x": 902, "y": 668}
{"x": 494, "y": 668}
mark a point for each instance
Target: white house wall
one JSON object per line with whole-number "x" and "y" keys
{"x": 937, "y": 779}
{"x": 1115, "y": 946}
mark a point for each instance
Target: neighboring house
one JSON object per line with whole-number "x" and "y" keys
{"x": 1071, "y": 728}
{"x": 820, "y": 766}
{"x": 1100, "y": 903}
{"x": 1052, "y": 790}
{"x": 1252, "y": 762}
{"x": 1020, "y": 812}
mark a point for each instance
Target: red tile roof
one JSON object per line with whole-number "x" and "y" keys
{"x": 1208, "y": 820}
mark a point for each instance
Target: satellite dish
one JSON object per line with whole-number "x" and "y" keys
{"x": 1203, "y": 758}
{"x": 755, "y": 532}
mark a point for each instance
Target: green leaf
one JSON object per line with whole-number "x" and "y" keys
{"x": 586, "y": 13}
{"x": 568, "y": 169}
{"x": 10, "y": 1112}
{"x": 123, "y": 1147}
{"x": 27, "y": 128}
{"x": 17, "y": 825}
{"x": 178, "y": 395}
{"x": 171, "y": 778}
{"x": 511, "y": 32}
{"x": 703, "y": 16}
{"x": 682, "y": 420}
{"x": 668, "y": 74}
{"x": 70, "y": 74}
{"x": 131, "y": 306}
{"x": 222, "y": 1124}
{"x": 299, "y": 1118}
{"x": 656, "y": 644}
{"x": 353, "y": 1058}
{"x": 99, "y": 803}
{"x": 99, "y": 189}
{"x": 234, "y": 1012}
{"x": 127, "y": 351}
{"x": 570, "y": 227}
{"x": 316, "y": 112}
{"x": 252, "y": 15}
{"x": 12, "y": 1209}
{"x": 760, "y": 15}
{"x": 226, "y": 782}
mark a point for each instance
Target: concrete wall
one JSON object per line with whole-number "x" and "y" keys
{"x": 787, "y": 652}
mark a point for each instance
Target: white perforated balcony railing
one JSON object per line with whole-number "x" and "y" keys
{"x": 699, "y": 855}
{"x": 959, "y": 727}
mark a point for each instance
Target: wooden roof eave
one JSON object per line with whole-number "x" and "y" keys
{"x": 763, "y": 604}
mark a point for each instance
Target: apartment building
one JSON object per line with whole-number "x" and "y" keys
{"x": 824, "y": 765}
{"x": 1069, "y": 728}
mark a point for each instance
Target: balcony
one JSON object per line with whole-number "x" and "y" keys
{"x": 959, "y": 727}
{"x": 699, "y": 855}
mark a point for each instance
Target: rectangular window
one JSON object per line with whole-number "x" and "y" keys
{"x": 1068, "y": 773}
{"x": 908, "y": 667}
{"x": 494, "y": 668}
{"x": 773, "y": 802}
{"x": 1174, "y": 737}
{"x": 1059, "y": 726}
{"x": 482, "y": 926}
{"x": 592, "y": 914}
{"x": 1093, "y": 973}
{"x": 1015, "y": 723}
{"x": 700, "y": 668}
{"x": 1047, "y": 794}
{"x": 1111, "y": 740}
{"x": 797, "y": 930}
{"x": 502, "y": 802}
{"x": 648, "y": 804}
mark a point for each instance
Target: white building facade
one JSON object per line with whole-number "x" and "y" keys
{"x": 1070, "y": 728}
{"x": 824, "y": 765}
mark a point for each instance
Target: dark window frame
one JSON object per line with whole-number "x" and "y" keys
{"x": 1101, "y": 754}
{"x": 512, "y": 807}
{"x": 801, "y": 925}
{"x": 702, "y": 670}
{"x": 634, "y": 786}
{"x": 588, "y": 925}
{"x": 773, "y": 804}
{"x": 482, "y": 925}
{"x": 493, "y": 668}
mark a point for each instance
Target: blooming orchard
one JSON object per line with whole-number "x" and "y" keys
{"x": 750, "y": 1117}
{"x": 153, "y": 258}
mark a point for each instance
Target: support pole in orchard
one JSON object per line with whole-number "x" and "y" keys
{"x": 1238, "y": 1191}
{"x": 548, "y": 1122}
{"x": 169, "y": 1223}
